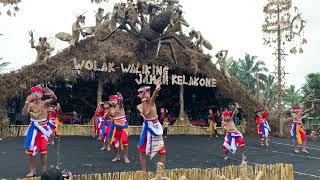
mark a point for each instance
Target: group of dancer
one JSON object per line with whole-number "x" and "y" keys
{"x": 113, "y": 130}
{"x": 111, "y": 126}
{"x": 234, "y": 139}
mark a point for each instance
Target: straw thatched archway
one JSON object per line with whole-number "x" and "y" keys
{"x": 120, "y": 49}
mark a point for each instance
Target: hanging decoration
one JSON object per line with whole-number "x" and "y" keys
{"x": 9, "y": 6}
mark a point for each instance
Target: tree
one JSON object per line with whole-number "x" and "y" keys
{"x": 292, "y": 96}
{"x": 311, "y": 91}
{"x": 246, "y": 70}
{"x": 3, "y": 65}
{"x": 269, "y": 93}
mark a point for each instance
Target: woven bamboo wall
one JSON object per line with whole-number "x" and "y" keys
{"x": 86, "y": 130}
{"x": 242, "y": 172}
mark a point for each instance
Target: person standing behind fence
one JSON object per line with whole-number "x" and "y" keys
{"x": 164, "y": 120}
{"x": 212, "y": 124}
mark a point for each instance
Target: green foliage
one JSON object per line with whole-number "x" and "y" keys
{"x": 311, "y": 91}
{"x": 245, "y": 71}
{"x": 3, "y": 65}
{"x": 269, "y": 91}
{"x": 292, "y": 96}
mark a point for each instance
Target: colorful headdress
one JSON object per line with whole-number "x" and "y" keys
{"x": 297, "y": 108}
{"x": 113, "y": 98}
{"x": 144, "y": 88}
{"x": 37, "y": 89}
{"x": 227, "y": 113}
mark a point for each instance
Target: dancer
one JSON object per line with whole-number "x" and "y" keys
{"x": 151, "y": 141}
{"x": 38, "y": 132}
{"x": 164, "y": 120}
{"x": 105, "y": 129}
{"x": 233, "y": 139}
{"x": 212, "y": 124}
{"x": 223, "y": 123}
{"x": 52, "y": 117}
{"x": 99, "y": 120}
{"x": 263, "y": 127}
{"x": 297, "y": 131}
{"x": 118, "y": 135}
{"x": 58, "y": 129}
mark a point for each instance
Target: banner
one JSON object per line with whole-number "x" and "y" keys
{"x": 146, "y": 74}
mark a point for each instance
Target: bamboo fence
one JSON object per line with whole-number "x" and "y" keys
{"x": 86, "y": 130}
{"x": 242, "y": 172}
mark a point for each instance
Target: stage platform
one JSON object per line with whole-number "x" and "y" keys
{"x": 83, "y": 155}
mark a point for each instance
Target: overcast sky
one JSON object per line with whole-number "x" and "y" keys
{"x": 228, "y": 24}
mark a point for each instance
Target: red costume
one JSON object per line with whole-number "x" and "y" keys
{"x": 233, "y": 138}
{"x": 99, "y": 120}
{"x": 38, "y": 133}
{"x": 119, "y": 131}
{"x": 105, "y": 130}
{"x": 262, "y": 125}
{"x": 297, "y": 131}
{"x": 52, "y": 116}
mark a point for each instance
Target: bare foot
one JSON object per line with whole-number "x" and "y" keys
{"x": 226, "y": 158}
{"x": 116, "y": 159}
{"x": 126, "y": 160}
{"x": 32, "y": 173}
{"x": 244, "y": 158}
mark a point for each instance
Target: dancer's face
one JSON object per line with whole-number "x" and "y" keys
{"x": 146, "y": 95}
{"x": 296, "y": 114}
{"x": 210, "y": 111}
{"x": 37, "y": 95}
{"x": 114, "y": 102}
{"x": 106, "y": 105}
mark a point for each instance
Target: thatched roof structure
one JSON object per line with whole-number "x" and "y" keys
{"x": 121, "y": 48}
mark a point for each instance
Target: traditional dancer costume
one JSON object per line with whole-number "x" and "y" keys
{"x": 233, "y": 138}
{"x": 151, "y": 141}
{"x": 263, "y": 127}
{"x": 107, "y": 122}
{"x": 297, "y": 131}
{"x": 38, "y": 132}
{"x": 52, "y": 117}
{"x": 99, "y": 121}
{"x": 118, "y": 130}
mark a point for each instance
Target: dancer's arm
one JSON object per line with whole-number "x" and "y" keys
{"x": 120, "y": 99}
{"x": 50, "y": 93}
{"x": 26, "y": 107}
{"x": 308, "y": 110}
{"x": 156, "y": 91}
